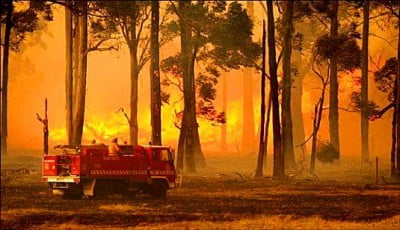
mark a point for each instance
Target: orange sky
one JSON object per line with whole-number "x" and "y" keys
{"x": 38, "y": 72}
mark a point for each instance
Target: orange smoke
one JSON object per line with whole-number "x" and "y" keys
{"x": 39, "y": 71}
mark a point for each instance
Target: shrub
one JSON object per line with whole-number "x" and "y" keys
{"x": 326, "y": 153}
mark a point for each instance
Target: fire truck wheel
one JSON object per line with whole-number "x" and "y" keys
{"x": 74, "y": 192}
{"x": 158, "y": 189}
{"x": 102, "y": 189}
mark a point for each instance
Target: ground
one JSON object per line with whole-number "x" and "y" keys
{"x": 225, "y": 196}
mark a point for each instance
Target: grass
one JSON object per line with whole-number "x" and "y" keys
{"x": 216, "y": 198}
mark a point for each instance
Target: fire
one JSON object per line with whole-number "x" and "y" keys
{"x": 103, "y": 128}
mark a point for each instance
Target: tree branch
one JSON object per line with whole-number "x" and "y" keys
{"x": 383, "y": 111}
{"x": 178, "y": 85}
{"x": 384, "y": 39}
{"x": 392, "y": 10}
{"x": 146, "y": 17}
{"x": 126, "y": 116}
{"x": 344, "y": 109}
{"x": 98, "y": 48}
{"x": 279, "y": 58}
{"x": 143, "y": 59}
{"x": 320, "y": 20}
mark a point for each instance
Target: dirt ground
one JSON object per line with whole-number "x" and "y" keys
{"x": 217, "y": 198}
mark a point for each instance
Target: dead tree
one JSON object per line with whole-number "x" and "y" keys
{"x": 318, "y": 109}
{"x": 45, "y": 123}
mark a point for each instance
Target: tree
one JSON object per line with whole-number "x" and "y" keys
{"x": 306, "y": 30}
{"x": 45, "y": 123}
{"x": 287, "y": 126}
{"x": 4, "y": 80}
{"x": 68, "y": 73}
{"x": 129, "y": 18}
{"x": 386, "y": 80}
{"x": 330, "y": 9}
{"x": 77, "y": 24}
{"x": 318, "y": 108}
{"x": 348, "y": 55}
{"x": 189, "y": 123}
{"x": 17, "y": 25}
{"x": 397, "y": 102}
{"x": 80, "y": 67}
{"x": 279, "y": 159}
{"x": 263, "y": 126}
{"x": 155, "y": 75}
{"x": 360, "y": 99}
{"x": 220, "y": 38}
{"x": 334, "y": 87}
{"x": 364, "y": 84}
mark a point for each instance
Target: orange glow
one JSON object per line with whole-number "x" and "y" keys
{"x": 38, "y": 72}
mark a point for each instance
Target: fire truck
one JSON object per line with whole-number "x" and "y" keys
{"x": 90, "y": 171}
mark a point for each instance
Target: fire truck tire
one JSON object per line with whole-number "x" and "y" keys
{"x": 102, "y": 189}
{"x": 159, "y": 189}
{"x": 74, "y": 192}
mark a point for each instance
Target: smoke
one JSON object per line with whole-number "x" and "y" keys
{"x": 38, "y": 72}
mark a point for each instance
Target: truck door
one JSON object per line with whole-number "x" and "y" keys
{"x": 161, "y": 162}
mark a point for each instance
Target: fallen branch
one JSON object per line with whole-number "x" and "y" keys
{"x": 240, "y": 175}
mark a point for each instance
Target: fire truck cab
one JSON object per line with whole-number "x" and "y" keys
{"x": 90, "y": 171}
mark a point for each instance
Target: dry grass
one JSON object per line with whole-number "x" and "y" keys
{"x": 216, "y": 199}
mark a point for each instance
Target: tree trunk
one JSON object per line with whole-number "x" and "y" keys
{"x": 155, "y": 75}
{"x": 248, "y": 129}
{"x": 267, "y": 129}
{"x": 224, "y": 108}
{"x": 134, "y": 75}
{"x": 45, "y": 130}
{"x": 4, "y": 87}
{"x": 76, "y": 65}
{"x": 261, "y": 150}
{"x": 393, "y": 166}
{"x": 296, "y": 103}
{"x": 68, "y": 73}
{"x": 287, "y": 126}
{"x": 189, "y": 124}
{"x": 364, "y": 85}
{"x": 279, "y": 159}
{"x": 316, "y": 125}
{"x": 198, "y": 155}
{"x": 181, "y": 148}
{"x": 199, "y": 158}
{"x": 80, "y": 79}
{"x": 333, "y": 97}
{"x": 397, "y": 112}
{"x": 314, "y": 139}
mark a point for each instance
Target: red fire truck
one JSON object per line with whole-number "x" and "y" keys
{"x": 90, "y": 171}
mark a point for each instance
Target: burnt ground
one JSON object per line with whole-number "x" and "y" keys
{"x": 219, "y": 199}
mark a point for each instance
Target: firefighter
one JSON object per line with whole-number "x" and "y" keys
{"x": 113, "y": 148}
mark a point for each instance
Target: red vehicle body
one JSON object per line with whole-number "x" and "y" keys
{"x": 90, "y": 171}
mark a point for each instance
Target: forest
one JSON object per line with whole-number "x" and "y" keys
{"x": 281, "y": 114}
